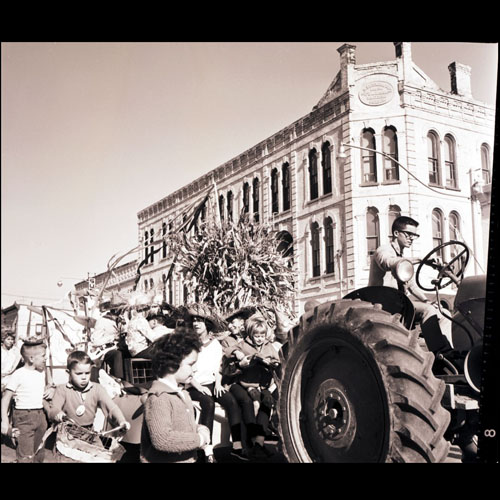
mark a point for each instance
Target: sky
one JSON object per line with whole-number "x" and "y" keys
{"x": 92, "y": 133}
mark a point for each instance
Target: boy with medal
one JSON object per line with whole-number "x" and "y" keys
{"x": 79, "y": 398}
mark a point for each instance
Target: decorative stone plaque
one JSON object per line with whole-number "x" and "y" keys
{"x": 376, "y": 93}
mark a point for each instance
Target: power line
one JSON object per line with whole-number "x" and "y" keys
{"x": 30, "y": 296}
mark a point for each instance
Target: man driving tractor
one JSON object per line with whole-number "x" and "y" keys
{"x": 436, "y": 329}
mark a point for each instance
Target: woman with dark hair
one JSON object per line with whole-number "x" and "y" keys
{"x": 206, "y": 385}
{"x": 169, "y": 431}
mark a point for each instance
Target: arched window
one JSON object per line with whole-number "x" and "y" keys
{"x": 315, "y": 249}
{"x": 449, "y": 162}
{"x": 368, "y": 158}
{"x": 372, "y": 230}
{"x": 433, "y": 158}
{"x": 285, "y": 244}
{"x": 230, "y": 205}
{"x": 437, "y": 230}
{"x": 170, "y": 291}
{"x": 221, "y": 207}
{"x": 329, "y": 250}
{"x": 485, "y": 164}
{"x": 151, "y": 248}
{"x": 164, "y": 234}
{"x": 274, "y": 191}
{"x": 326, "y": 163}
{"x": 151, "y": 283}
{"x": 256, "y": 199}
{"x": 394, "y": 213}
{"x": 285, "y": 180}
{"x": 146, "y": 247}
{"x": 313, "y": 174}
{"x": 390, "y": 148}
{"x": 454, "y": 231}
{"x": 246, "y": 197}
{"x": 145, "y": 285}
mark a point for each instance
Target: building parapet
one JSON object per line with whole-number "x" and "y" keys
{"x": 330, "y": 110}
{"x": 433, "y": 101}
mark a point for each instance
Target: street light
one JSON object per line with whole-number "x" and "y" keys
{"x": 60, "y": 282}
{"x": 90, "y": 280}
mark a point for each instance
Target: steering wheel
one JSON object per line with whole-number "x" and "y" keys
{"x": 446, "y": 269}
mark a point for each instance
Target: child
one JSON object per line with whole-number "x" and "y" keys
{"x": 257, "y": 359}
{"x": 79, "y": 398}
{"x": 169, "y": 430}
{"x": 27, "y": 387}
{"x": 261, "y": 357}
{"x": 11, "y": 356}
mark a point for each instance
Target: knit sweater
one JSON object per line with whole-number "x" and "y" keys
{"x": 169, "y": 430}
{"x": 266, "y": 350}
{"x": 256, "y": 372}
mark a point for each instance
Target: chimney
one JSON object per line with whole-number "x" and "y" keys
{"x": 403, "y": 49}
{"x": 347, "y": 58}
{"x": 403, "y": 53}
{"x": 460, "y": 79}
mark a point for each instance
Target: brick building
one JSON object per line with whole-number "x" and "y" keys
{"x": 121, "y": 280}
{"x": 335, "y": 202}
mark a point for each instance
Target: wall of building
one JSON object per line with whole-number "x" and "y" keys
{"x": 395, "y": 93}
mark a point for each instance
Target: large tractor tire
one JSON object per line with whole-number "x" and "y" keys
{"x": 356, "y": 387}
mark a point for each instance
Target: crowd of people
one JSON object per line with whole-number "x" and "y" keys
{"x": 196, "y": 357}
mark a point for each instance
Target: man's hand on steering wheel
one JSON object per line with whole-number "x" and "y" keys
{"x": 453, "y": 270}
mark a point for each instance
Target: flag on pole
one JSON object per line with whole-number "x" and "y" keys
{"x": 191, "y": 216}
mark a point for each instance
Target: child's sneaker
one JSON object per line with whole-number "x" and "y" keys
{"x": 241, "y": 454}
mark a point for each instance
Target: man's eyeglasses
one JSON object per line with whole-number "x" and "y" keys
{"x": 411, "y": 235}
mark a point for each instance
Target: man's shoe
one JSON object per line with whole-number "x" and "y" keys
{"x": 241, "y": 454}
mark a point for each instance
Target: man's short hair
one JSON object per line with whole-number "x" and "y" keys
{"x": 78, "y": 357}
{"x": 400, "y": 222}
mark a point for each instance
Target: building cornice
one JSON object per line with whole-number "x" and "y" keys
{"x": 120, "y": 274}
{"x": 446, "y": 104}
{"x": 248, "y": 159}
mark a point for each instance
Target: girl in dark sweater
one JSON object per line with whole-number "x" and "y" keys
{"x": 169, "y": 431}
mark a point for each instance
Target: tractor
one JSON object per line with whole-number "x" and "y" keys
{"x": 357, "y": 382}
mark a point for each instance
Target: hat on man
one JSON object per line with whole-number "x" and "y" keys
{"x": 213, "y": 321}
{"x": 242, "y": 312}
